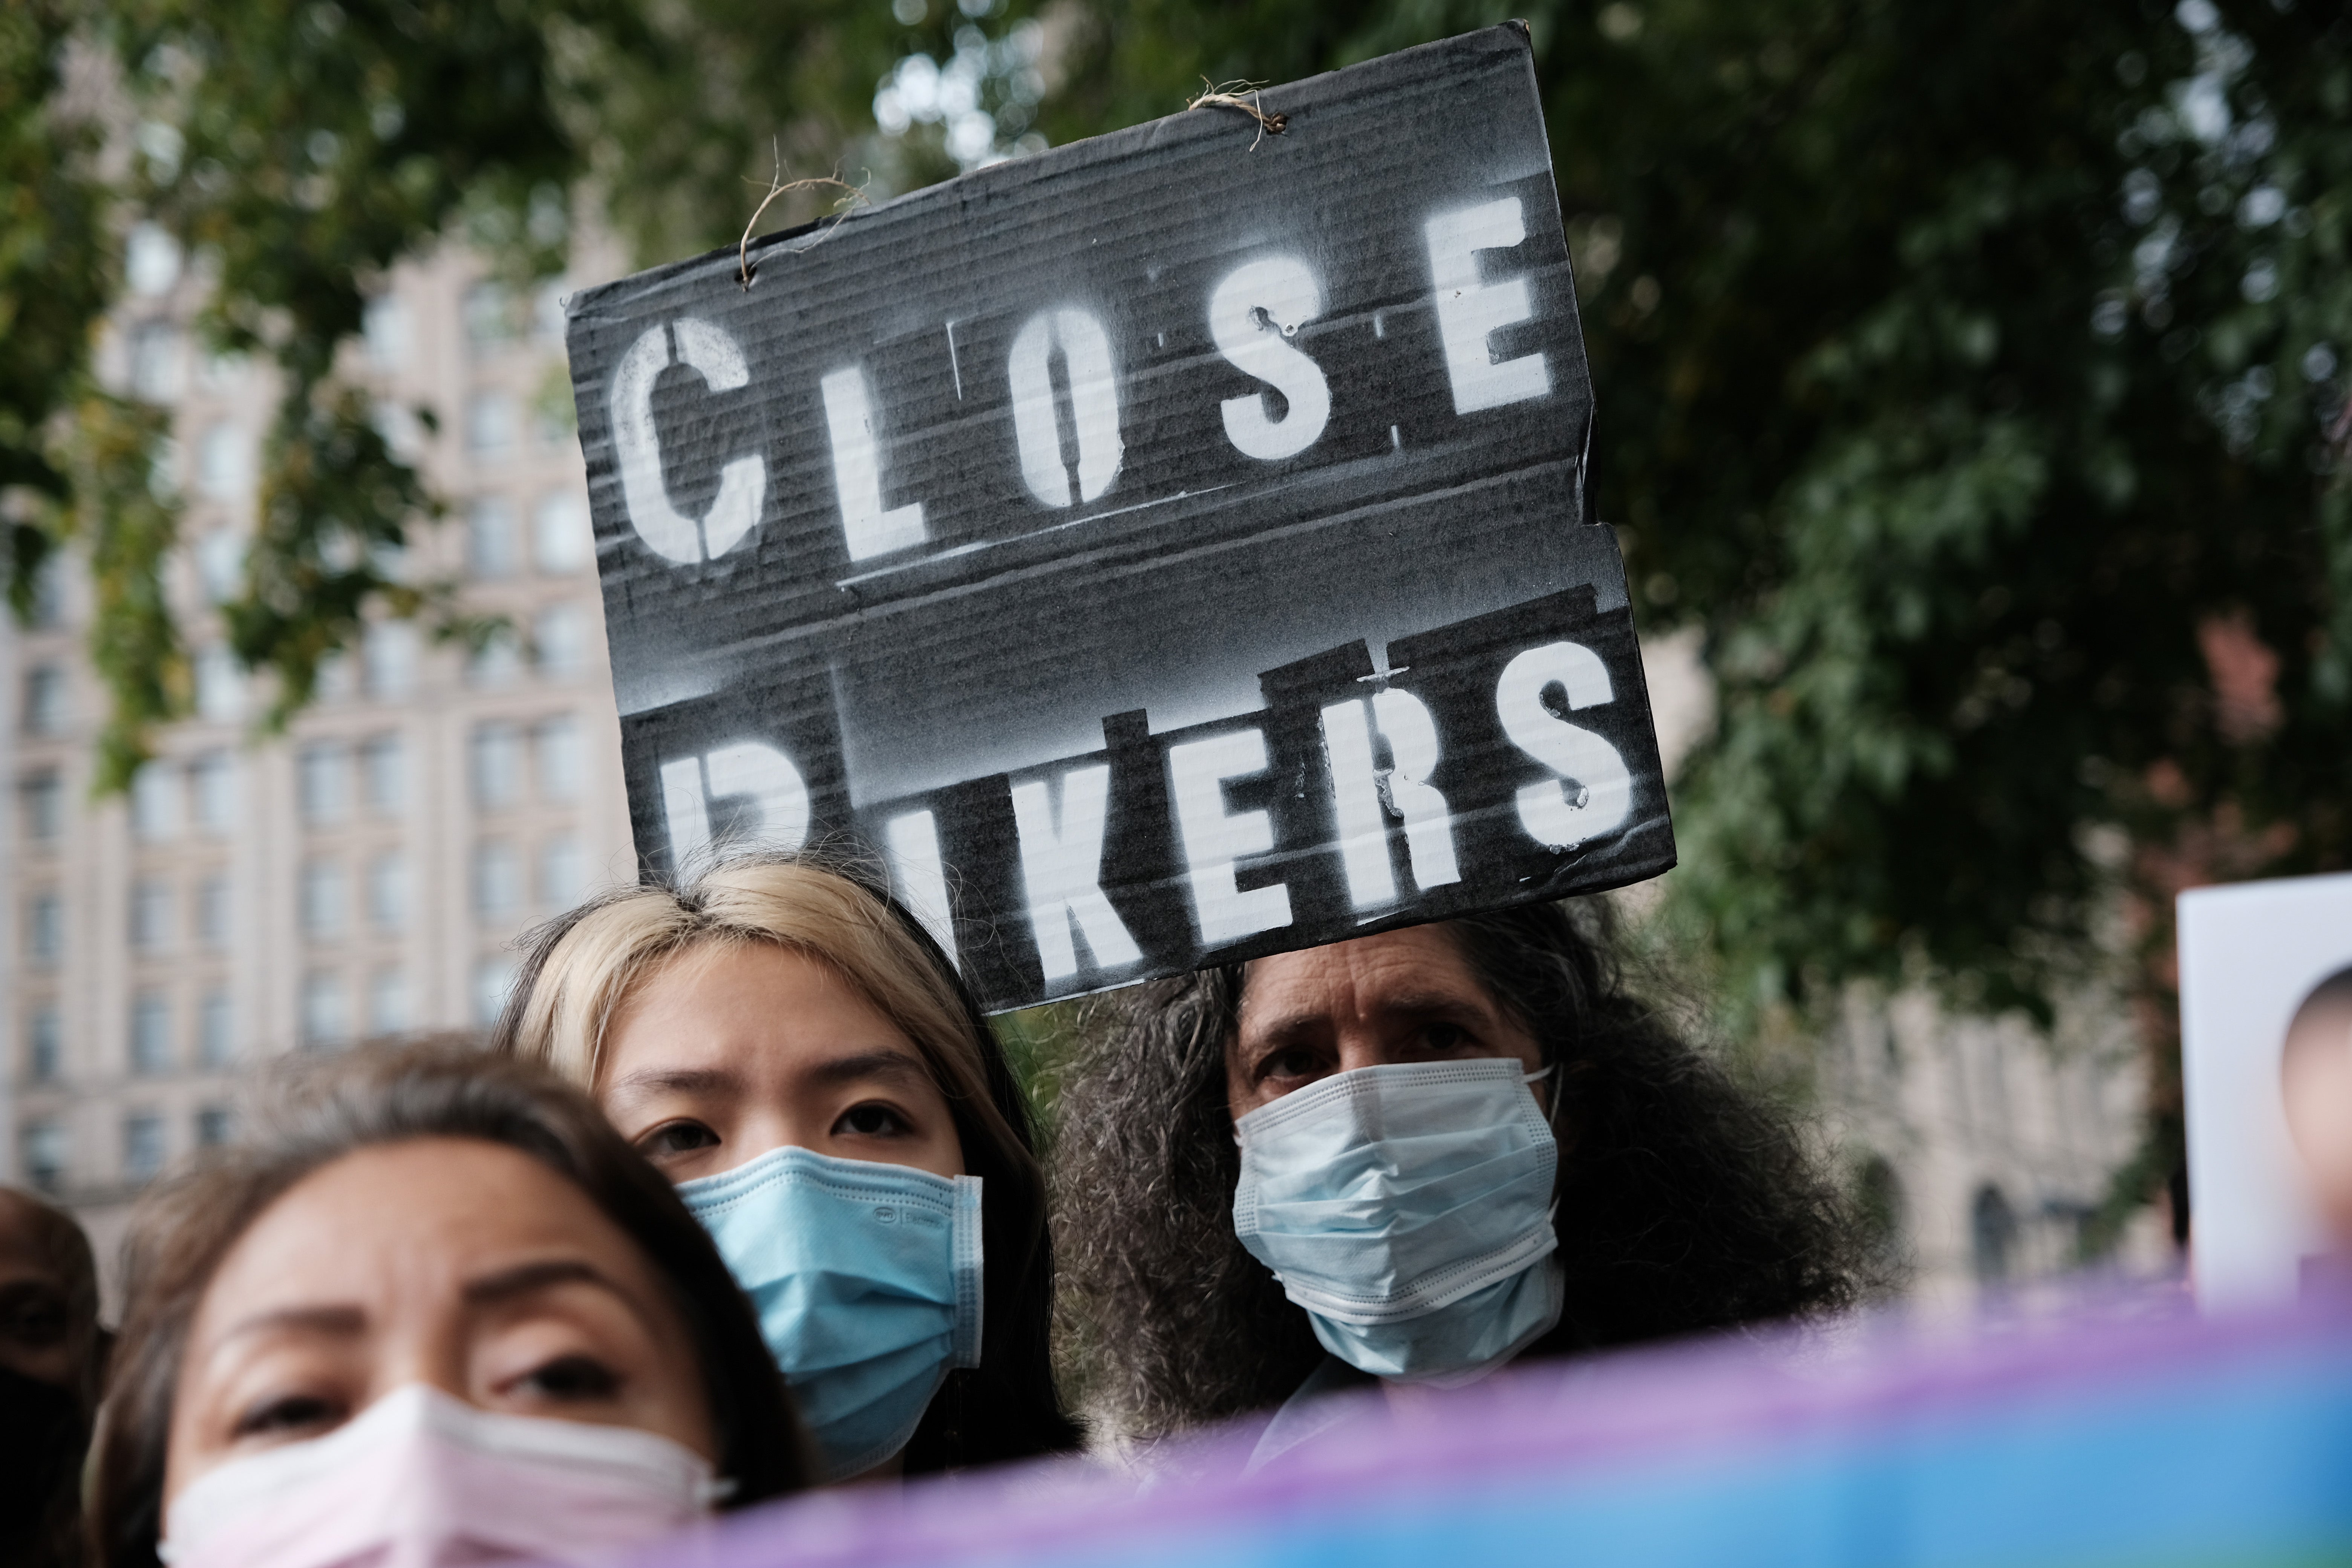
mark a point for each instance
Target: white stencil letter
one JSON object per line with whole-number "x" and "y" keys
{"x": 747, "y": 769}
{"x": 920, "y": 878}
{"x": 742, "y": 482}
{"x": 1061, "y": 864}
{"x": 857, "y": 473}
{"x": 1094, "y": 404}
{"x": 1469, "y": 311}
{"x": 1253, "y": 315}
{"x": 1554, "y": 814}
{"x": 1364, "y": 797}
{"x": 1213, "y": 840}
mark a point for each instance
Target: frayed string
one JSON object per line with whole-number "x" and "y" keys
{"x": 777, "y": 186}
{"x": 1229, "y": 95}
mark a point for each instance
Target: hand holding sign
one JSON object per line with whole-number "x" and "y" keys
{"x": 1163, "y": 550}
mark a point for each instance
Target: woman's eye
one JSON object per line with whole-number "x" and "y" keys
{"x": 871, "y": 1122}
{"x": 573, "y": 1378}
{"x": 677, "y": 1138}
{"x": 290, "y": 1415}
{"x": 1446, "y": 1036}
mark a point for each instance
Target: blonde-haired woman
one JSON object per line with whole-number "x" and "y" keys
{"x": 785, "y": 1042}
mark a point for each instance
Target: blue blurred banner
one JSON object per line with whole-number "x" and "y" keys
{"x": 2107, "y": 1440}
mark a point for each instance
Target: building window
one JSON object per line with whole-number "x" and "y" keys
{"x": 44, "y": 1043}
{"x": 387, "y": 892}
{"x": 497, "y": 662}
{"x": 216, "y": 1039}
{"x": 220, "y": 565}
{"x": 561, "y": 541}
{"x": 212, "y": 790}
{"x": 323, "y": 900}
{"x": 151, "y": 261}
{"x": 49, "y": 593}
{"x": 384, "y": 325}
{"x": 493, "y": 978}
{"x": 326, "y": 1018}
{"x": 159, "y": 361}
{"x": 560, "y": 635}
{"x": 387, "y": 1003}
{"x": 496, "y": 765}
{"x": 324, "y": 783}
{"x": 488, "y": 314}
{"x": 44, "y": 1147}
{"x": 383, "y": 764}
{"x": 1992, "y": 1236}
{"x": 154, "y": 802}
{"x": 212, "y": 911}
{"x": 151, "y": 914}
{"x": 45, "y": 807}
{"x": 562, "y": 872}
{"x": 142, "y": 1147}
{"x": 150, "y": 1035}
{"x": 224, "y": 462}
{"x": 215, "y": 1127}
{"x": 48, "y": 702}
{"x": 388, "y": 658}
{"x": 220, "y": 686}
{"x": 44, "y": 929}
{"x": 497, "y": 879}
{"x": 491, "y": 536}
{"x": 556, "y": 743}
{"x": 489, "y": 424}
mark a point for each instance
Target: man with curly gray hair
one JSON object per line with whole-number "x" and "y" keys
{"x": 1412, "y": 1157}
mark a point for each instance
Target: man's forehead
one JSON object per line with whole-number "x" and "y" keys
{"x": 1420, "y": 969}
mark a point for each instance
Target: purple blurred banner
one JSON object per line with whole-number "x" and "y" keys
{"x": 2128, "y": 1434}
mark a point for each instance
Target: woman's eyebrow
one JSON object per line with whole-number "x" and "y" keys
{"x": 882, "y": 1064}
{"x": 341, "y": 1321}
{"x": 647, "y": 1082}
{"x": 505, "y": 1285}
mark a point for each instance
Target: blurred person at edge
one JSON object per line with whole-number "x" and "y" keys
{"x": 433, "y": 1311}
{"x": 788, "y": 1044}
{"x": 2315, "y": 1086}
{"x": 1412, "y": 1157}
{"x": 52, "y": 1356}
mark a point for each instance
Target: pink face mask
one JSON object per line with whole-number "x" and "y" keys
{"x": 423, "y": 1480}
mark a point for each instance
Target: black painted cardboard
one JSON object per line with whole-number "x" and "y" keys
{"x": 1000, "y": 529}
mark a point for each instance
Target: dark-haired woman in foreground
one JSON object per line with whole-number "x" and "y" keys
{"x": 435, "y": 1309}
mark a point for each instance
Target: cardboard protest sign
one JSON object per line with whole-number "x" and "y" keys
{"x": 2255, "y": 962}
{"x": 1172, "y": 548}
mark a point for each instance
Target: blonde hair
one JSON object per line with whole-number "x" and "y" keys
{"x": 604, "y": 950}
{"x": 580, "y": 969}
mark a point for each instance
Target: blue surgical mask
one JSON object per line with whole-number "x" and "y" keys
{"x": 867, "y": 1278}
{"x": 1408, "y": 1209}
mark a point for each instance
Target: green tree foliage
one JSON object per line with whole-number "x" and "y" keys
{"x": 1972, "y": 374}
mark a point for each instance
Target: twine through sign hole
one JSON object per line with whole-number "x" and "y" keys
{"x": 1242, "y": 95}
{"x": 854, "y": 194}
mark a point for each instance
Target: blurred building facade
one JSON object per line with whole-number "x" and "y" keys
{"x": 364, "y": 874}
{"x": 1979, "y": 1150}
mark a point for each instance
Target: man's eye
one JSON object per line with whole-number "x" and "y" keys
{"x": 871, "y": 1121}
{"x": 289, "y": 1416}
{"x": 1446, "y": 1036}
{"x": 573, "y": 1378}
{"x": 677, "y": 1138}
{"x": 1291, "y": 1063}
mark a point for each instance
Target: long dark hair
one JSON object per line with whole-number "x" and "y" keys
{"x": 579, "y": 967}
{"x": 317, "y": 1113}
{"x": 1685, "y": 1205}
